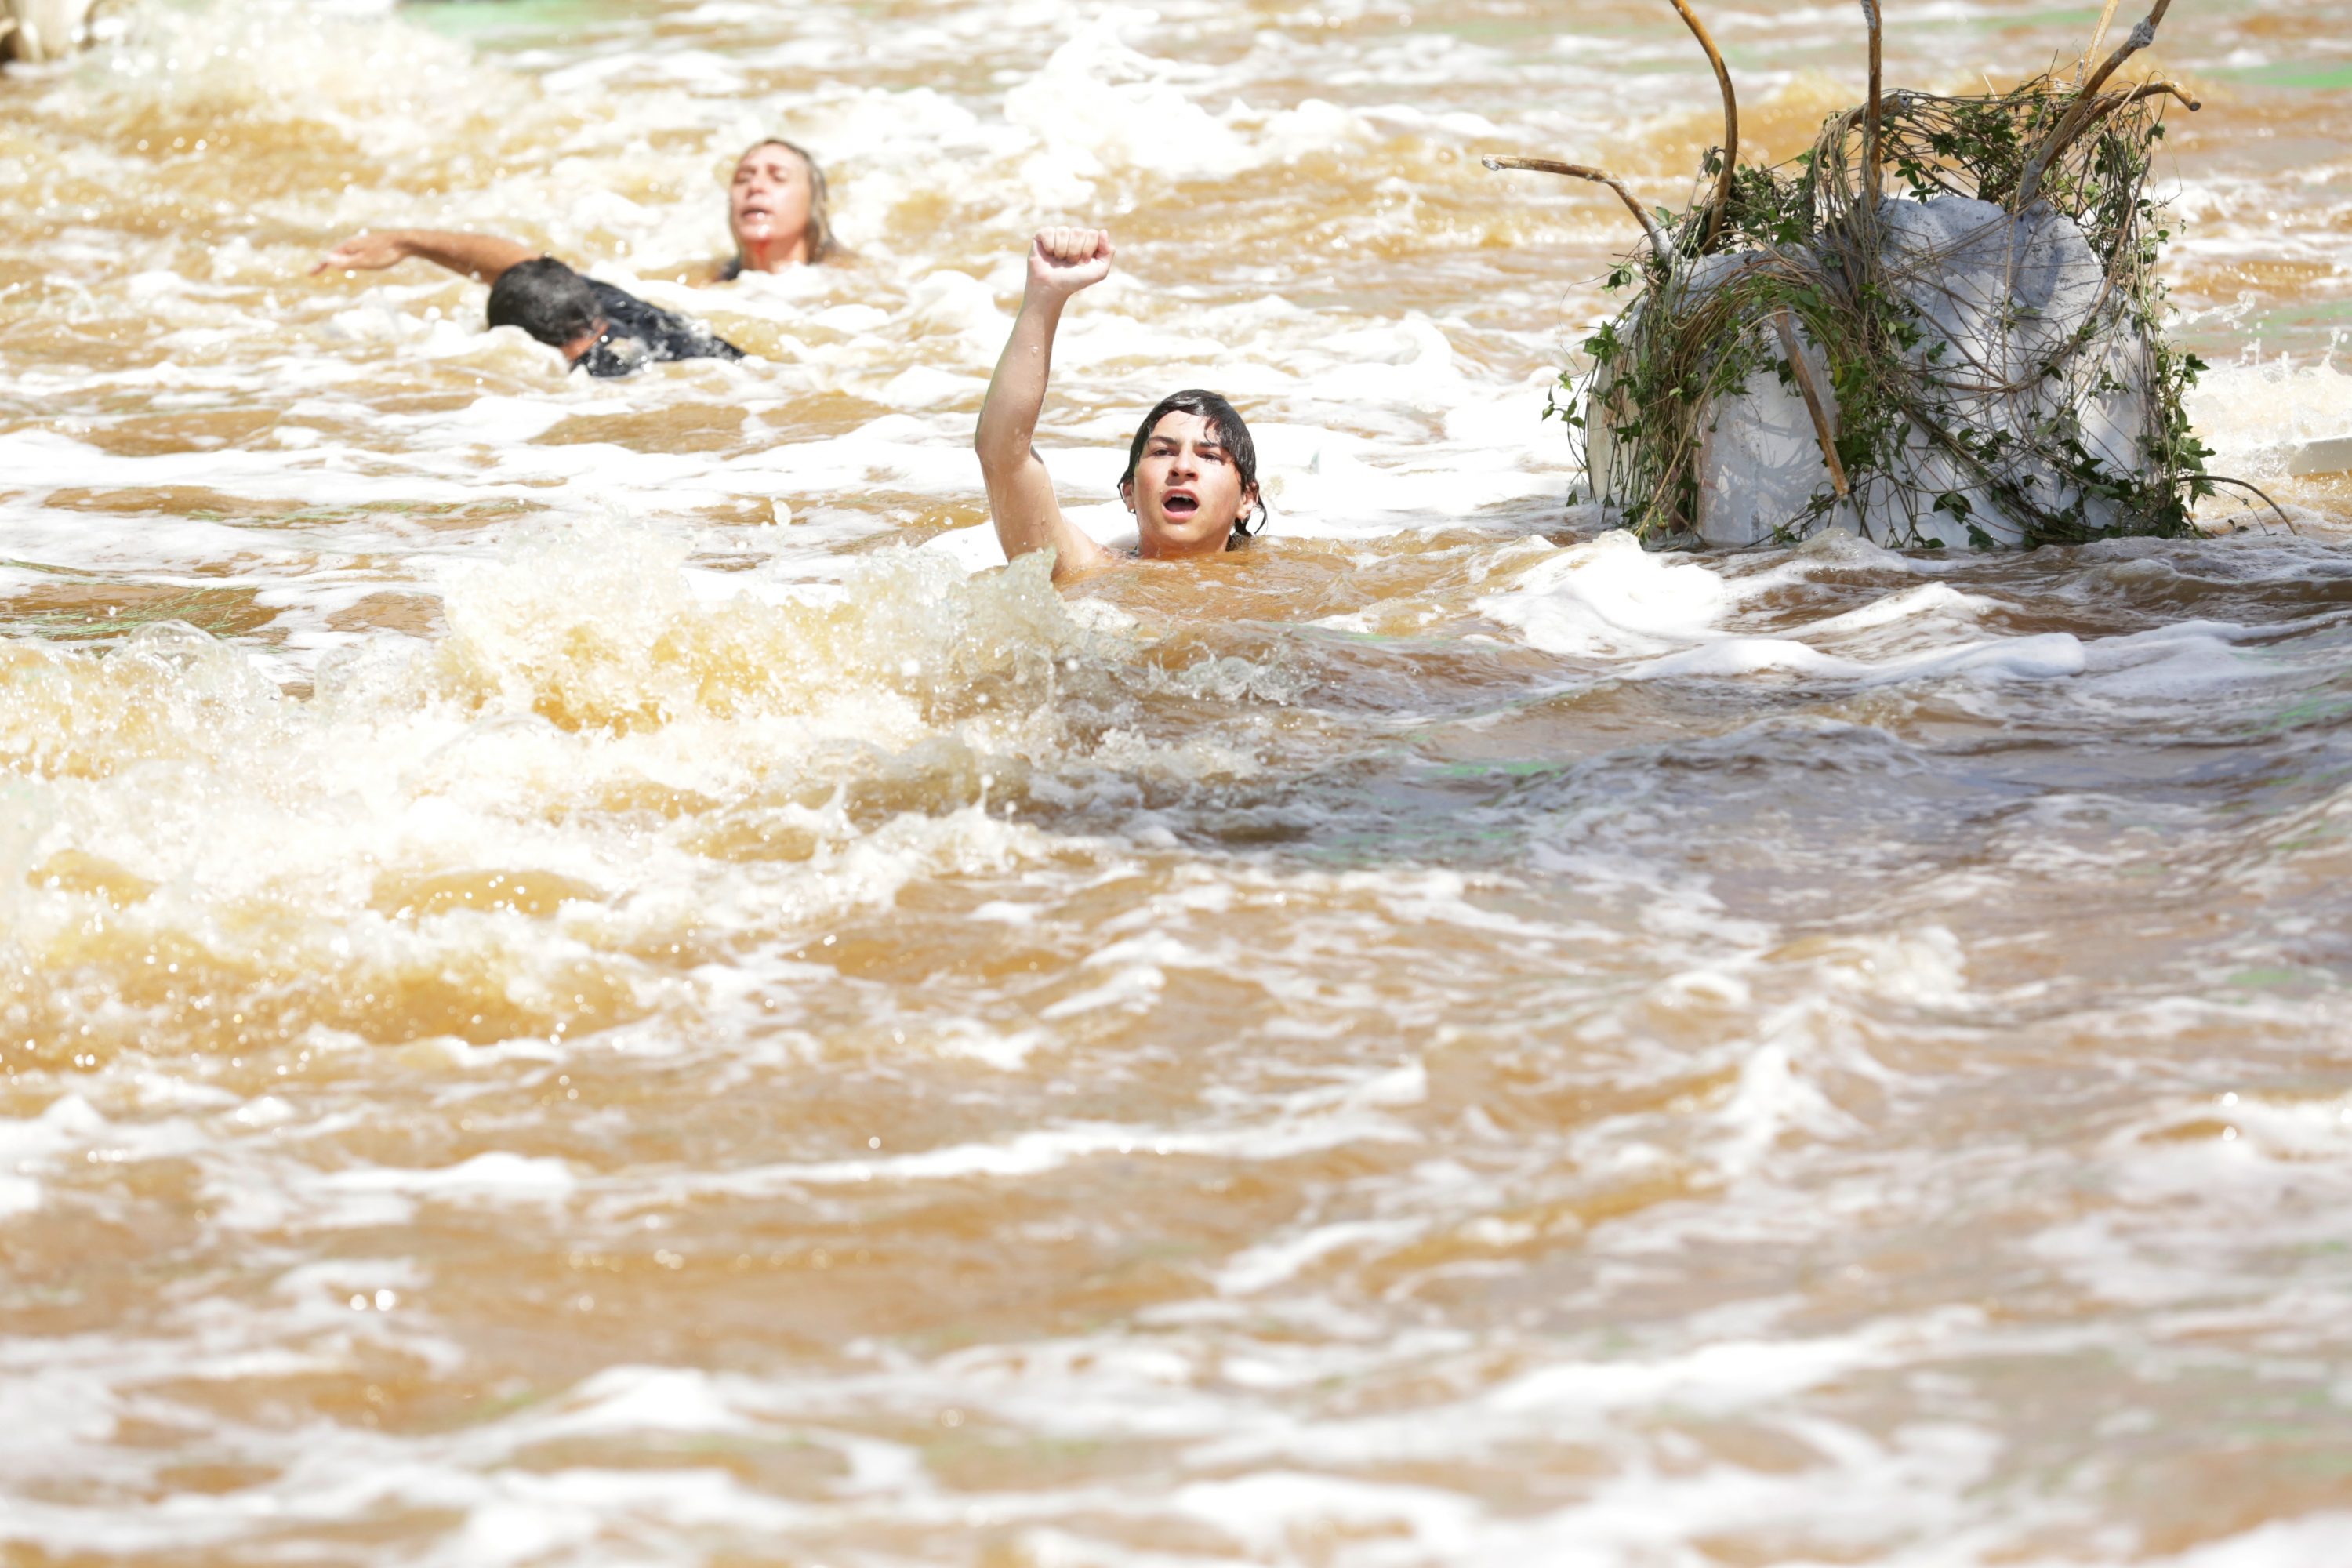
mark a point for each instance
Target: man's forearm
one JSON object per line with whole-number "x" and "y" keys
{"x": 485, "y": 256}
{"x": 1016, "y": 393}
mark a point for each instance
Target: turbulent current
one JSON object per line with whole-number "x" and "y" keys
{"x": 585, "y": 978}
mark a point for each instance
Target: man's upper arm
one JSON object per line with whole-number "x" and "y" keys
{"x": 1028, "y": 517}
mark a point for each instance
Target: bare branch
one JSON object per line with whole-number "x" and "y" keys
{"x": 1730, "y": 123}
{"x": 2098, "y": 37}
{"x": 2070, "y": 124}
{"x": 2257, "y": 489}
{"x": 1578, "y": 172}
{"x": 2155, "y": 88}
{"x": 1812, "y": 395}
{"x": 1869, "y": 182}
{"x": 2109, "y": 105}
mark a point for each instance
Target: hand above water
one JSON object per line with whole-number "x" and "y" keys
{"x": 1021, "y": 499}
{"x": 365, "y": 253}
{"x": 1064, "y": 260}
{"x": 483, "y": 257}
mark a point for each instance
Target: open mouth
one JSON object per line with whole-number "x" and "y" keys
{"x": 1180, "y": 504}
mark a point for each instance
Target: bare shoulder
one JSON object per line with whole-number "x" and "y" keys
{"x": 1080, "y": 555}
{"x": 1111, "y": 558}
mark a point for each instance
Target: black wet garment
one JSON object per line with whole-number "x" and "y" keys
{"x": 636, "y": 333}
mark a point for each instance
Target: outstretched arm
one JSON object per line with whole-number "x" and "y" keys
{"x": 480, "y": 255}
{"x": 1020, "y": 492}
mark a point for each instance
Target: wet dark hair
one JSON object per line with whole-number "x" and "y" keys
{"x": 818, "y": 236}
{"x": 545, "y": 299}
{"x": 1225, "y": 424}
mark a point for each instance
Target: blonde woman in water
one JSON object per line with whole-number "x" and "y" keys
{"x": 1191, "y": 469}
{"x": 776, "y": 213}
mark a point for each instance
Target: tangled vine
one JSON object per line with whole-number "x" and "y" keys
{"x": 1918, "y": 429}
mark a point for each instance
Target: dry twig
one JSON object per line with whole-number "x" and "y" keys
{"x": 1578, "y": 172}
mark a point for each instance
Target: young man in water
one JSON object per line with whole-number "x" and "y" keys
{"x": 1191, "y": 469}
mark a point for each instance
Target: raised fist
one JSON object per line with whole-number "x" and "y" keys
{"x": 1064, "y": 260}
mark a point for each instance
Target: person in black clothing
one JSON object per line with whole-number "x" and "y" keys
{"x": 594, "y": 326}
{"x": 547, "y": 299}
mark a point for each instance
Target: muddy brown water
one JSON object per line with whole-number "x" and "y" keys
{"x": 574, "y": 988}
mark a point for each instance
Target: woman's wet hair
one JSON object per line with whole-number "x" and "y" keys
{"x": 817, "y": 239}
{"x": 545, "y": 299}
{"x": 1226, "y": 428}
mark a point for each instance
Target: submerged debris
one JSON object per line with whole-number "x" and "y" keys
{"x": 1938, "y": 326}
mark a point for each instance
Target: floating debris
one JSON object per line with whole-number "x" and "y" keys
{"x": 1939, "y": 326}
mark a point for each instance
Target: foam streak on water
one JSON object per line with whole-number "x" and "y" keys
{"x": 576, "y": 986}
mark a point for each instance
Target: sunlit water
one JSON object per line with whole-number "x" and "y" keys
{"x": 577, "y": 992}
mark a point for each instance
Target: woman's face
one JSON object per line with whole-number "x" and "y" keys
{"x": 1187, "y": 494}
{"x": 768, "y": 206}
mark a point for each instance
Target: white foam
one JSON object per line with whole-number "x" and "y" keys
{"x": 2040, "y": 657}
{"x": 18, "y": 1195}
{"x": 2257, "y": 417}
{"x": 495, "y": 1177}
{"x": 1610, "y": 597}
{"x": 2280, "y": 1543}
{"x": 1666, "y": 617}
